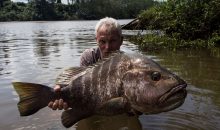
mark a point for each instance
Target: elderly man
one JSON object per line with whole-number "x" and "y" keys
{"x": 109, "y": 38}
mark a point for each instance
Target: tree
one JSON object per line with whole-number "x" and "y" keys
{"x": 2, "y": 2}
{"x": 41, "y": 10}
{"x": 185, "y": 19}
{"x": 77, "y": 9}
{"x": 59, "y": 2}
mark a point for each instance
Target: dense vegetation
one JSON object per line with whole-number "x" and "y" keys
{"x": 184, "y": 23}
{"x": 75, "y": 9}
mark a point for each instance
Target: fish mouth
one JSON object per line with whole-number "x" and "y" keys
{"x": 172, "y": 99}
{"x": 176, "y": 94}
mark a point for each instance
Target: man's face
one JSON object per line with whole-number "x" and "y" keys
{"x": 108, "y": 40}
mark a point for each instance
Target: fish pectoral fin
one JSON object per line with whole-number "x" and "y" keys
{"x": 114, "y": 106}
{"x": 72, "y": 116}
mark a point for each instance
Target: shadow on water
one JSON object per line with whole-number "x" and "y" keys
{"x": 120, "y": 122}
{"x": 38, "y": 51}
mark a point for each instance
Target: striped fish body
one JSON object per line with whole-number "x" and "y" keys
{"x": 97, "y": 87}
{"x": 120, "y": 83}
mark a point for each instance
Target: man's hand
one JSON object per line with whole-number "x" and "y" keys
{"x": 58, "y": 104}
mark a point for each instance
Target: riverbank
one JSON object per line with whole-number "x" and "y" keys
{"x": 152, "y": 42}
{"x": 185, "y": 24}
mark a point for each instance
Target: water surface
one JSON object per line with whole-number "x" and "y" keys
{"x": 38, "y": 51}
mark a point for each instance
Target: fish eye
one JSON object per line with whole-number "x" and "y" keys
{"x": 155, "y": 76}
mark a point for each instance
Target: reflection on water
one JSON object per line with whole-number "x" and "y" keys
{"x": 38, "y": 51}
{"x": 200, "y": 69}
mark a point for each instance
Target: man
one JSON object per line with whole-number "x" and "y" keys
{"x": 109, "y": 38}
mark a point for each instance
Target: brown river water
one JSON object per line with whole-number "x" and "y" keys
{"x": 38, "y": 51}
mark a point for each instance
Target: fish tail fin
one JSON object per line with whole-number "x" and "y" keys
{"x": 32, "y": 97}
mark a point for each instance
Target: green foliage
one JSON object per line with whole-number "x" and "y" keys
{"x": 152, "y": 42}
{"x": 79, "y": 9}
{"x": 188, "y": 20}
{"x": 96, "y": 9}
{"x": 12, "y": 11}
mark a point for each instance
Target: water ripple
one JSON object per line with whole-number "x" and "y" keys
{"x": 38, "y": 51}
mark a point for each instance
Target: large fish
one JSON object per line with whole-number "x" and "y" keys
{"x": 121, "y": 83}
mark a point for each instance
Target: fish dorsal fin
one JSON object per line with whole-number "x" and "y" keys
{"x": 112, "y": 54}
{"x": 106, "y": 58}
{"x": 66, "y": 76}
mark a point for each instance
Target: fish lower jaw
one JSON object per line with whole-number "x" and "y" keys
{"x": 174, "y": 101}
{"x": 176, "y": 92}
{"x": 170, "y": 104}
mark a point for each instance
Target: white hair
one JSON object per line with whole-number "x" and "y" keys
{"x": 110, "y": 22}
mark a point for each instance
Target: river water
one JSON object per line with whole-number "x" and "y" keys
{"x": 38, "y": 51}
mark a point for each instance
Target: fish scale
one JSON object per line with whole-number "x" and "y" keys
{"x": 120, "y": 83}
